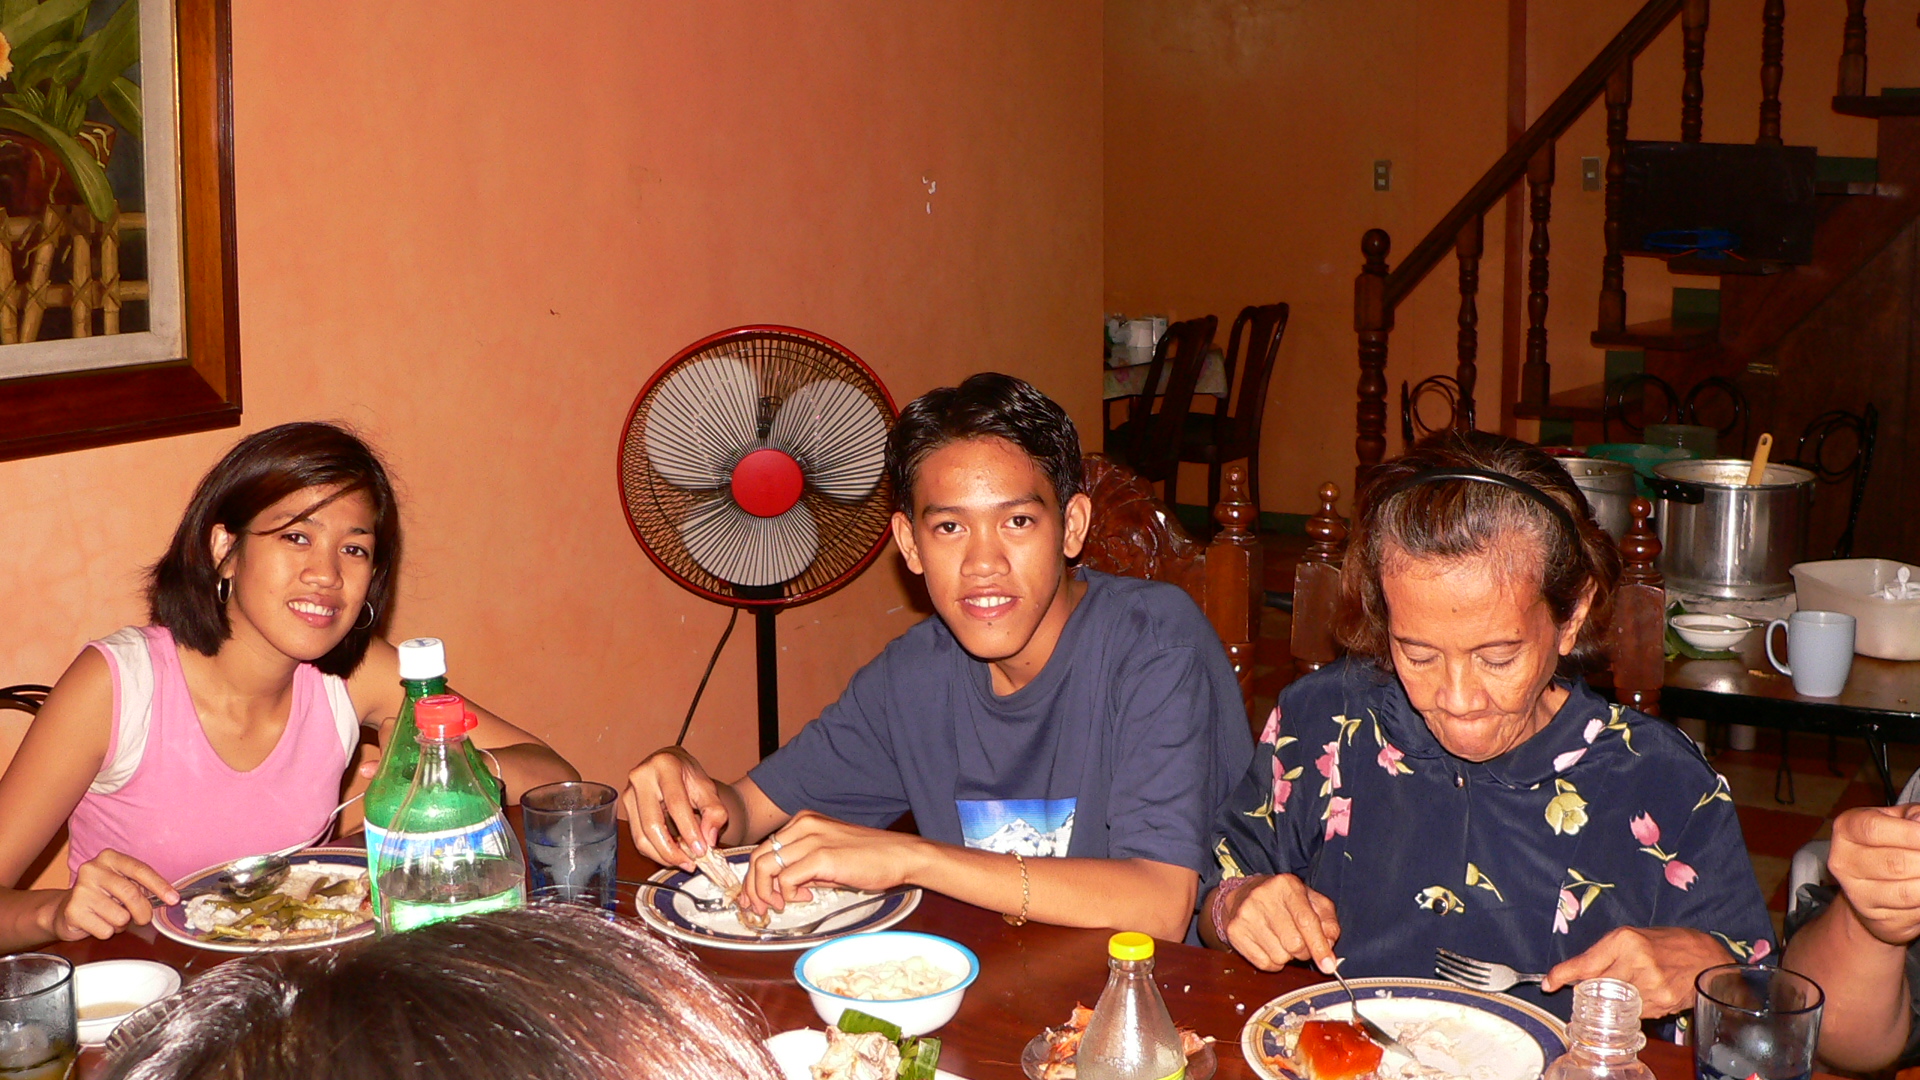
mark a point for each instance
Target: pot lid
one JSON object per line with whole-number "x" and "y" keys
{"x": 1732, "y": 473}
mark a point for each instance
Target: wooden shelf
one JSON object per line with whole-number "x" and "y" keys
{"x": 1665, "y": 335}
{"x": 1576, "y": 403}
{"x": 1878, "y": 105}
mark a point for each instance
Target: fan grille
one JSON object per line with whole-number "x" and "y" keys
{"x": 850, "y": 534}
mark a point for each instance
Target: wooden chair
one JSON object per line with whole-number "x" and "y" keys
{"x": 1637, "y": 639}
{"x": 1135, "y": 535}
{"x": 1148, "y": 441}
{"x": 1233, "y": 431}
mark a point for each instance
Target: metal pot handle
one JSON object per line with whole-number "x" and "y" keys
{"x": 1681, "y": 491}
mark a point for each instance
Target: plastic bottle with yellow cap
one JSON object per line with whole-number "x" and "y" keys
{"x": 1131, "y": 1035}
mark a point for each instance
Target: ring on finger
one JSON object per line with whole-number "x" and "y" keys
{"x": 777, "y": 859}
{"x": 776, "y": 845}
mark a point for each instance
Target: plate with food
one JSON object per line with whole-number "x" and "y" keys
{"x": 1449, "y": 1030}
{"x": 1050, "y": 1055}
{"x": 678, "y": 915}
{"x": 859, "y": 1047}
{"x": 324, "y": 900}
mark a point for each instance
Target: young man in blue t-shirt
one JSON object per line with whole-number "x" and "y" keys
{"x": 1062, "y": 737}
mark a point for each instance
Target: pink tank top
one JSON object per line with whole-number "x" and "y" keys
{"x": 181, "y": 808}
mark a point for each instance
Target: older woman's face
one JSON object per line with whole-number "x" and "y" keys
{"x": 1475, "y": 646}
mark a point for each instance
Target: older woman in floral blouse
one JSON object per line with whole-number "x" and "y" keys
{"x": 1446, "y": 786}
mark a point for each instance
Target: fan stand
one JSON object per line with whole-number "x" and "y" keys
{"x": 767, "y": 659}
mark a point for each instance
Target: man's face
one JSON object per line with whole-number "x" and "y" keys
{"x": 992, "y": 541}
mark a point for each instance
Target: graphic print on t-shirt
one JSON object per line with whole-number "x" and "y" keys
{"x": 1033, "y": 827}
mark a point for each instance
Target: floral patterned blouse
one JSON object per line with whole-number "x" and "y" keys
{"x": 1605, "y": 818}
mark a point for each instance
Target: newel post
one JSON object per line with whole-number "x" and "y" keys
{"x": 1316, "y": 587}
{"x": 1639, "y": 635}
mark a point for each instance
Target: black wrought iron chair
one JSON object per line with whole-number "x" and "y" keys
{"x": 1413, "y": 424}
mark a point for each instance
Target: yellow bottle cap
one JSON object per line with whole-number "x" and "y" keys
{"x": 1130, "y": 945}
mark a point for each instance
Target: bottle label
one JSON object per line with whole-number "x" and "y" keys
{"x": 481, "y": 836}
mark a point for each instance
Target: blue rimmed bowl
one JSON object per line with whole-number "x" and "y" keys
{"x": 915, "y": 1016}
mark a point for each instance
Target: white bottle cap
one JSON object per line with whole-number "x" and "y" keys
{"x": 422, "y": 658}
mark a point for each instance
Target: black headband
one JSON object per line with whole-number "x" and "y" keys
{"x": 1485, "y": 476}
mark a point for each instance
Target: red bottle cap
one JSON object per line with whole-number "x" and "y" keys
{"x": 441, "y": 716}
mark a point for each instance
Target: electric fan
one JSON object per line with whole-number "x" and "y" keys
{"x": 753, "y": 473}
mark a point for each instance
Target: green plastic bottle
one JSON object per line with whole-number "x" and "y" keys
{"x": 448, "y": 851}
{"x": 423, "y": 671}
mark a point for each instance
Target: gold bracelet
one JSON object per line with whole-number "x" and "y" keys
{"x": 1026, "y": 895}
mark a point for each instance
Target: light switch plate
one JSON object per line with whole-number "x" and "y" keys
{"x": 1382, "y": 175}
{"x": 1590, "y": 174}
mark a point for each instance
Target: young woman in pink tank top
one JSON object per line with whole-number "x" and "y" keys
{"x": 266, "y": 646}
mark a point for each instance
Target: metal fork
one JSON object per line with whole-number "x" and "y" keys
{"x": 1373, "y": 1031}
{"x": 1478, "y": 974}
{"x": 809, "y": 927}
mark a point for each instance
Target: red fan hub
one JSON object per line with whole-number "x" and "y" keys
{"x": 767, "y": 483}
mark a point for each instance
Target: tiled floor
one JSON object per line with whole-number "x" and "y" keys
{"x": 1774, "y": 830}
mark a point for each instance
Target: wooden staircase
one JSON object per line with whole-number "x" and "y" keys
{"x": 1861, "y": 209}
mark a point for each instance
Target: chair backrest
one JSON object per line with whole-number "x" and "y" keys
{"x": 1413, "y": 425}
{"x": 1738, "y": 412}
{"x": 1864, "y": 428}
{"x": 1636, "y": 640}
{"x": 1134, "y": 534}
{"x": 1628, "y": 395}
{"x": 18, "y": 704}
{"x": 1154, "y": 451}
{"x": 1252, "y": 345}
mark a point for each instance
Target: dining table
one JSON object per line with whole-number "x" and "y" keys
{"x": 1030, "y": 978}
{"x": 1879, "y": 704}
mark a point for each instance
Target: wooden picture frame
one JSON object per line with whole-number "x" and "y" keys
{"x": 197, "y": 391}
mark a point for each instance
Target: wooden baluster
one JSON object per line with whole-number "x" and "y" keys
{"x": 1693, "y": 56}
{"x": 1853, "y": 55}
{"x": 1235, "y": 584}
{"x": 1772, "y": 46}
{"x": 1468, "y": 247}
{"x": 1535, "y": 375}
{"x": 1372, "y": 320}
{"x": 1639, "y": 633}
{"x": 1316, "y": 587}
{"x": 1613, "y": 270}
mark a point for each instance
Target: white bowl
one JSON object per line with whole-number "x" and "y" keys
{"x": 108, "y": 991}
{"x": 1710, "y": 633}
{"x": 915, "y": 1016}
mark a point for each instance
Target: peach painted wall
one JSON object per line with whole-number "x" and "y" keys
{"x": 1240, "y": 141}
{"x": 474, "y": 233}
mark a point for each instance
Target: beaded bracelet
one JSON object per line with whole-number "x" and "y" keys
{"x": 1026, "y": 895}
{"x": 1216, "y": 909}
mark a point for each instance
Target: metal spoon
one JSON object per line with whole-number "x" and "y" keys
{"x": 706, "y": 905}
{"x": 244, "y": 879}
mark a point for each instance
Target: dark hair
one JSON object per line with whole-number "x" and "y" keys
{"x": 558, "y": 992}
{"x": 1459, "y": 518}
{"x": 259, "y": 471}
{"x": 986, "y": 405}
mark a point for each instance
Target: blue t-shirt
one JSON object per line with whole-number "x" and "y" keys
{"x": 1124, "y": 746}
{"x": 1606, "y": 817}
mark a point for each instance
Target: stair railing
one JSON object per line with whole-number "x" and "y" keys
{"x": 1378, "y": 290}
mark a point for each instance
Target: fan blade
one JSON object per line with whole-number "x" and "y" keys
{"x": 737, "y": 547}
{"x": 701, "y": 420}
{"x": 837, "y": 434}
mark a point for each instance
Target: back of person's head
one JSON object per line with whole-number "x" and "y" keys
{"x": 259, "y": 471}
{"x": 987, "y": 405}
{"x": 556, "y": 992}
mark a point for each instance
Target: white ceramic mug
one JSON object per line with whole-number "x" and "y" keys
{"x": 1821, "y": 645}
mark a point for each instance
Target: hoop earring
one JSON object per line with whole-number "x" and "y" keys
{"x": 370, "y": 618}
{"x": 223, "y": 591}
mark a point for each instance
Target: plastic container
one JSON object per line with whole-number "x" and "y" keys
{"x": 1888, "y": 629}
{"x": 1131, "y": 1035}
{"x": 1604, "y": 1039}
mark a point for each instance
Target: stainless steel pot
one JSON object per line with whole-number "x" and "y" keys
{"x": 1608, "y": 486}
{"x": 1720, "y": 537}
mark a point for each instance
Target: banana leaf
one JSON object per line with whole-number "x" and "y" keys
{"x": 88, "y": 177}
{"x": 109, "y": 51}
{"x": 13, "y": 9}
{"x": 121, "y": 99}
{"x": 33, "y": 29}
{"x": 44, "y": 66}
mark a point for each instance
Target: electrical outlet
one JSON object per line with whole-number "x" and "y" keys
{"x": 1589, "y": 174}
{"x": 1382, "y": 175}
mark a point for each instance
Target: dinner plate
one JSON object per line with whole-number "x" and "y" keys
{"x": 1200, "y": 1064}
{"x": 674, "y": 915}
{"x": 171, "y": 920}
{"x": 795, "y": 1052}
{"x": 1496, "y": 1037}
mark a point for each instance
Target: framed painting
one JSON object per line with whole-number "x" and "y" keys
{"x": 118, "y": 308}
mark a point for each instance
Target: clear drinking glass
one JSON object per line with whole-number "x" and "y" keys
{"x": 1752, "y": 1021}
{"x": 38, "y": 1040}
{"x": 572, "y": 841}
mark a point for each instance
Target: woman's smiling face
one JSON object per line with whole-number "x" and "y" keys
{"x": 301, "y": 572}
{"x": 1475, "y": 645}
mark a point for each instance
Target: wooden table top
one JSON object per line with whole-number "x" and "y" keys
{"x": 1030, "y": 978}
{"x": 1882, "y": 697}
